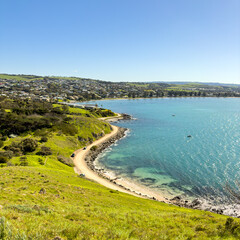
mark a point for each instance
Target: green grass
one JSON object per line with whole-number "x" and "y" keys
{"x": 74, "y": 110}
{"x": 24, "y": 77}
{"x": 82, "y": 112}
{"x": 20, "y": 77}
{"x": 75, "y": 208}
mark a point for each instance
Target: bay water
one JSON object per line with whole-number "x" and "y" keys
{"x": 178, "y": 146}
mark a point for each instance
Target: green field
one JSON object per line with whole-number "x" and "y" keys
{"x": 75, "y": 208}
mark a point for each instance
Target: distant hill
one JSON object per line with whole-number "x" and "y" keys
{"x": 201, "y": 83}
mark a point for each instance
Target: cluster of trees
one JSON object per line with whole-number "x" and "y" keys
{"x": 23, "y": 147}
{"x": 28, "y": 116}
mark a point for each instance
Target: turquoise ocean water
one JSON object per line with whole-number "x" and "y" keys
{"x": 157, "y": 152}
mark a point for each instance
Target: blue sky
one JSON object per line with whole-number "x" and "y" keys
{"x": 122, "y": 40}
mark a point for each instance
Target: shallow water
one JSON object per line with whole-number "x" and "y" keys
{"x": 157, "y": 153}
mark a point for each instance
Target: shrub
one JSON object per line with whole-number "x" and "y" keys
{"x": 7, "y": 154}
{"x": 1, "y": 143}
{"x": 43, "y": 139}
{"x": 45, "y": 151}
{"x": 14, "y": 148}
{"x": 23, "y": 161}
{"x": 65, "y": 160}
{"x": 4, "y": 138}
{"x": 3, "y": 159}
{"x": 41, "y": 132}
{"x": 28, "y": 145}
{"x": 68, "y": 129}
{"x": 81, "y": 139}
{"x": 41, "y": 162}
{"x": 10, "y": 164}
{"x": 93, "y": 148}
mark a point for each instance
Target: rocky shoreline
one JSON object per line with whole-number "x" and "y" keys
{"x": 93, "y": 154}
{"x": 207, "y": 205}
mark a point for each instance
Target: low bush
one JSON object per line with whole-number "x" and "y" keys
{"x": 28, "y": 145}
{"x": 10, "y": 164}
{"x": 65, "y": 160}
{"x": 45, "y": 151}
{"x": 43, "y": 139}
{"x": 4, "y": 138}
{"x": 3, "y": 159}
{"x": 93, "y": 148}
{"x": 7, "y": 154}
{"x": 14, "y": 148}
{"x": 23, "y": 161}
{"x": 41, "y": 162}
{"x": 69, "y": 129}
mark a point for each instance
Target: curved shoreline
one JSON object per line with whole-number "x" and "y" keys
{"x": 84, "y": 163}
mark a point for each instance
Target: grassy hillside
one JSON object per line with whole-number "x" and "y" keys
{"x": 49, "y": 201}
{"x": 24, "y": 77}
{"x": 42, "y": 198}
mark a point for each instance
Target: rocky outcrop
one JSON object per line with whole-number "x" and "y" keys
{"x": 207, "y": 205}
{"x": 126, "y": 116}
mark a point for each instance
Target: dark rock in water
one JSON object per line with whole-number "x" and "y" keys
{"x": 196, "y": 202}
{"x": 126, "y": 116}
{"x": 148, "y": 180}
{"x": 177, "y": 198}
{"x": 220, "y": 211}
{"x": 189, "y": 136}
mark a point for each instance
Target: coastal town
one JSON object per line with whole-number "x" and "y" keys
{"x": 82, "y": 89}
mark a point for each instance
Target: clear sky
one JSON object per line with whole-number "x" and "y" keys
{"x": 122, "y": 40}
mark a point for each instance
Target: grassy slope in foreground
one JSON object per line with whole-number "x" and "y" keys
{"x": 75, "y": 208}
{"x": 45, "y": 201}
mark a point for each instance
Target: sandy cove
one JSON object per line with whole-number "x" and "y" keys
{"x": 84, "y": 163}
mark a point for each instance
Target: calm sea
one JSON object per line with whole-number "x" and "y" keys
{"x": 159, "y": 154}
